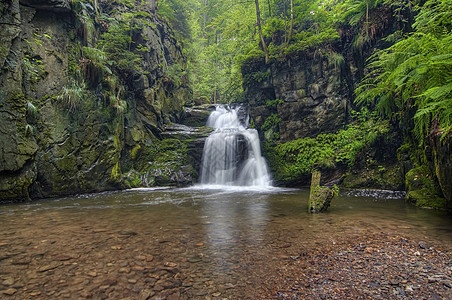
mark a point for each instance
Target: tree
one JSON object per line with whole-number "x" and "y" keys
{"x": 289, "y": 37}
{"x": 259, "y": 27}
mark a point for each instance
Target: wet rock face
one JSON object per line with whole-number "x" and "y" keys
{"x": 442, "y": 159}
{"x": 313, "y": 94}
{"x": 49, "y": 148}
{"x": 49, "y": 5}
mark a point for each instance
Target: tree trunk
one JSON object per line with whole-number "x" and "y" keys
{"x": 291, "y": 23}
{"x": 269, "y": 9}
{"x": 258, "y": 22}
{"x": 204, "y": 24}
{"x": 285, "y": 22}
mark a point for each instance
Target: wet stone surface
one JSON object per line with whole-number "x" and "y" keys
{"x": 213, "y": 246}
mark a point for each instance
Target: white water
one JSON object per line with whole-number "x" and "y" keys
{"x": 232, "y": 153}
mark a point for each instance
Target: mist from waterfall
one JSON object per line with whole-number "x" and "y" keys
{"x": 232, "y": 153}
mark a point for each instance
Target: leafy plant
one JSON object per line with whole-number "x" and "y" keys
{"x": 272, "y": 121}
{"x": 94, "y": 65}
{"x": 72, "y": 94}
{"x": 34, "y": 67}
{"x": 415, "y": 72}
{"x": 117, "y": 43}
{"x": 273, "y": 103}
{"x": 336, "y": 60}
{"x": 31, "y": 108}
{"x": 29, "y": 130}
{"x": 297, "y": 158}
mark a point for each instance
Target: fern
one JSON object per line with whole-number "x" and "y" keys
{"x": 72, "y": 94}
{"x": 416, "y": 72}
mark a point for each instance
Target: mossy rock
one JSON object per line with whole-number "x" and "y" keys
{"x": 377, "y": 177}
{"x": 423, "y": 191}
{"x": 425, "y": 198}
{"x": 15, "y": 186}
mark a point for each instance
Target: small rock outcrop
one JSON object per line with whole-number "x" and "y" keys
{"x": 313, "y": 95}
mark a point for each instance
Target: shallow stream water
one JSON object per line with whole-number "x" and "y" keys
{"x": 185, "y": 243}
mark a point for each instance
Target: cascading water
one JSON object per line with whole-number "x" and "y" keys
{"x": 232, "y": 154}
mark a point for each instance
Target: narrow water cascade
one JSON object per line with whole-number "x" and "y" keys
{"x": 232, "y": 153}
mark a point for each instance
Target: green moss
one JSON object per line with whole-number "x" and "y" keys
{"x": 389, "y": 177}
{"x": 273, "y": 103}
{"x": 271, "y": 122}
{"x": 320, "y": 197}
{"x": 115, "y": 175}
{"x": 134, "y": 152}
{"x": 425, "y": 198}
{"x": 67, "y": 163}
{"x": 133, "y": 179}
{"x": 295, "y": 159}
{"x": 3, "y": 52}
{"x": 423, "y": 191}
{"x": 256, "y": 77}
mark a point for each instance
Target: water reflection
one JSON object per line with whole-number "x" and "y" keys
{"x": 234, "y": 221}
{"x": 206, "y": 240}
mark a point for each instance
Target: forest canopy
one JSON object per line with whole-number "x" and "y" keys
{"x": 220, "y": 35}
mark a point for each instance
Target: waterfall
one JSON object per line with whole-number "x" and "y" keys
{"x": 232, "y": 153}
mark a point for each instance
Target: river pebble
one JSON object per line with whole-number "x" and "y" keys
{"x": 90, "y": 259}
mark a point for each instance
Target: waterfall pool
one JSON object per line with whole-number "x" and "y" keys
{"x": 194, "y": 243}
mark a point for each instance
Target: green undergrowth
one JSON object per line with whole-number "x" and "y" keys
{"x": 296, "y": 159}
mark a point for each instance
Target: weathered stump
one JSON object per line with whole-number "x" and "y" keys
{"x": 320, "y": 196}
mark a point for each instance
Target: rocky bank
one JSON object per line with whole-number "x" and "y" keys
{"x": 86, "y": 90}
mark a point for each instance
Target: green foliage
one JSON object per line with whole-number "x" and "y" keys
{"x": 84, "y": 11}
{"x": 177, "y": 74}
{"x": 353, "y": 11}
{"x": 94, "y": 65}
{"x": 225, "y": 38}
{"x": 298, "y": 158}
{"x": 416, "y": 72}
{"x": 336, "y": 60}
{"x": 117, "y": 45}
{"x": 273, "y": 103}
{"x": 177, "y": 13}
{"x": 271, "y": 122}
{"x": 257, "y": 77}
{"x": 127, "y": 3}
{"x": 115, "y": 175}
{"x": 29, "y": 129}
{"x": 72, "y": 94}
{"x": 34, "y": 68}
{"x": 135, "y": 150}
{"x": 31, "y": 108}
{"x": 308, "y": 40}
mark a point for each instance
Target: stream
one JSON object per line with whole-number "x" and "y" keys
{"x": 186, "y": 243}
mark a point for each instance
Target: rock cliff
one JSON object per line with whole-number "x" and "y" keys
{"x": 305, "y": 93}
{"x": 86, "y": 88}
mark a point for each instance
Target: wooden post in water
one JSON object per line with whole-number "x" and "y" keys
{"x": 319, "y": 196}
